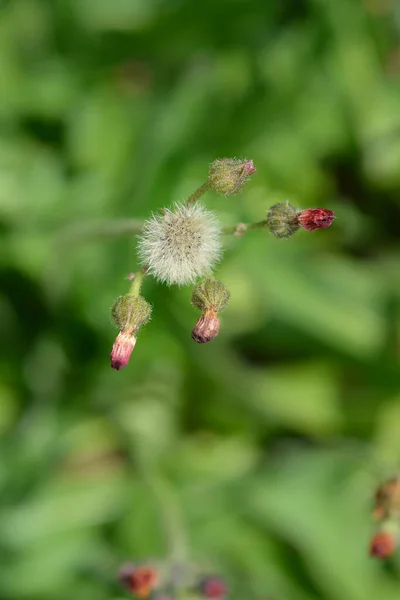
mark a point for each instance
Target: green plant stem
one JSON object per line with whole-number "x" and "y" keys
{"x": 242, "y": 228}
{"x": 137, "y": 282}
{"x": 197, "y": 194}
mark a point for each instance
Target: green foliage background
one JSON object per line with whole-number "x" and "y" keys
{"x": 257, "y": 454}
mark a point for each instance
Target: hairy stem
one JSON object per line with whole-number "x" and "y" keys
{"x": 197, "y": 194}
{"x": 137, "y": 282}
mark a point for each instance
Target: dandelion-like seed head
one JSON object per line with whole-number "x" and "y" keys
{"x": 181, "y": 244}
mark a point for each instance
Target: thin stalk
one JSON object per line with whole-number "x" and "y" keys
{"x": 197, "y": 194}
{"x": 242, "y": 228}
{"x": 137, "y": 282}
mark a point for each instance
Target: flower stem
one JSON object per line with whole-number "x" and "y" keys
{"x": 137, "y": 282}
{"x": 197, "y": 194}
{"x": 241, "y": 228}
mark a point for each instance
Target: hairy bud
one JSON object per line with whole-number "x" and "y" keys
{"x": 122, "y": 350}
{"x": 210, "y": 294}
{"x": 227, "y": 176}
{"x": 315, "y": 218}
{"x": 383, "y": 544}
{"x": 207, "y": 327}
{"x": 130, "y": 312}
{"x": 213, "y": 587}
{"x": 181, "y": 244}
{"x": 387, "y": 500}
{"x": 282, "y": 220}
{"x": 139, "y": 580}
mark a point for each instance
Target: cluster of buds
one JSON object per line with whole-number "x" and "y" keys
{"x": 210, "y": 296}
{"x": 387, "y": 513}
{"x": 182, "y": 244}
{"x": 149, "y": 582}
{"x": 283, "y": 220}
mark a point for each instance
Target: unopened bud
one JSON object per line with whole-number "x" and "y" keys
{"x": 282, "y": 220}
{"x": 122, "y": 349}
{"x": 227, "y": 176}
{"x": 130, "y": 312}
{"x": 387, "y": 500}
{"x": 207, "y": 327}
{"x": 213, "y": 587}
{"x": 315, "y": 218}
{"x": 383, "y": 544}
{"x": 139, "y": 580}
{"x": 210, "y": 294}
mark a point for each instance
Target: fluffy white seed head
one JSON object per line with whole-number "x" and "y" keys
{"x": 181, "y": 244}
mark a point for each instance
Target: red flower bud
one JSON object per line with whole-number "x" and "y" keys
{"x": 315, "y": 218}
{"x": 139, "y": 580}
{"x": 383, "y": 544}
{"x": 213, "y": 587}
{"x": 122, "y": 350}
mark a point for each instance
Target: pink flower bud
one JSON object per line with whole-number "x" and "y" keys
{"x": 207, "y": 327}
{"x": 122, "y": 349}
{"x": 383, "y": 544}
{"x": 249, "y": 168}
{"x": 315, "y": 218}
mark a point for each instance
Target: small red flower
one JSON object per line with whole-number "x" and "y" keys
{"x": 383, "y": 544}
{"x": 122, "y": 350}
{"x": 213, "y": 587}
{"x": 140, "y": 580}
{"x": 315, "y": 218}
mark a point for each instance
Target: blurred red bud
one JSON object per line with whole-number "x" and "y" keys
{"x": 315, "y": 218}
{"x": 139, "y": 580}
{"x": 213, "y": 587}
{"x": 383, "y": 544}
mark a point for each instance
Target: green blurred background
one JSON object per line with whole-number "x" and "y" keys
{"x": 257, "y": 455}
